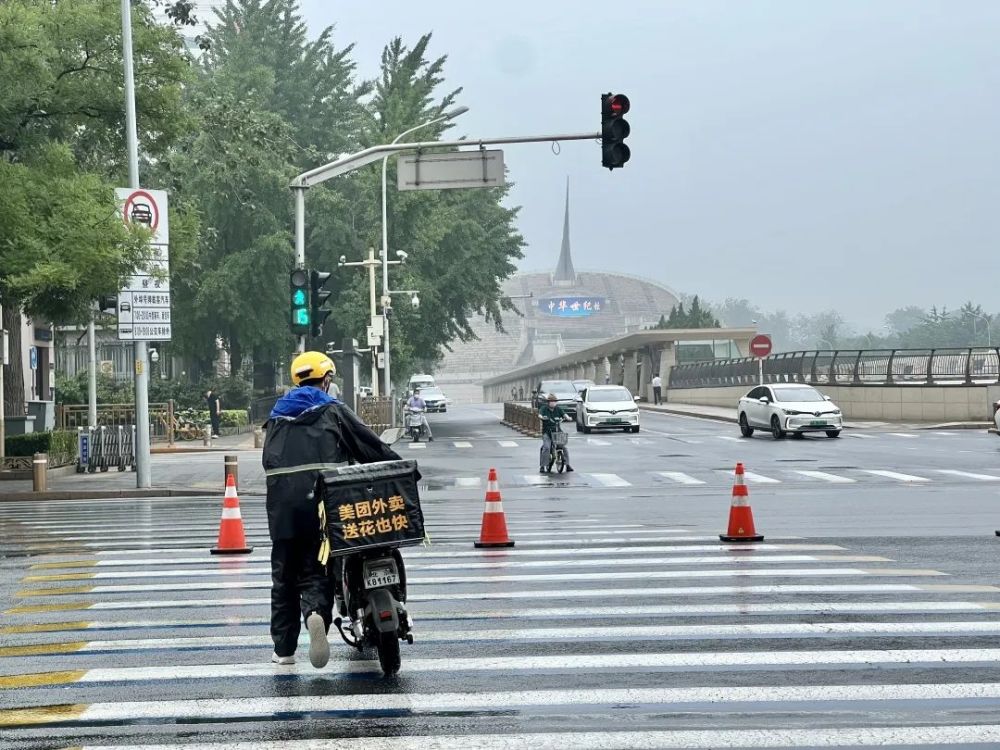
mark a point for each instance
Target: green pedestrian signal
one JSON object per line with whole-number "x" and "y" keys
{"x": 299, "y": 297}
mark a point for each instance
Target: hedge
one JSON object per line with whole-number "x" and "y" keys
{"x": 58, "y": 443}
{"x": 228, "y": 418}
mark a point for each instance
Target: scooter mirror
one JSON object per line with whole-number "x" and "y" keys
{"x": 392, "y": 435}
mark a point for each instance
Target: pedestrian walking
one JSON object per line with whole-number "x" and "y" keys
{"x": 214, "y": 410}
{"x": 657, "y": 390}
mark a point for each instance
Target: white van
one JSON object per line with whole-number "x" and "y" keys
{"x": 423, "y": 381}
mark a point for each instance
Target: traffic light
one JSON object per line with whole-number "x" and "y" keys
{"x": 317, "y": 279}
{"x": 299, "y": 297}
{"x": 614, "y": 130}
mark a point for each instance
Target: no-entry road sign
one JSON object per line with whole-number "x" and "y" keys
{"x": 760, "y": 345}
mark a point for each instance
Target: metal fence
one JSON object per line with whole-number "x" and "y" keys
{"x": 978, "y": 365}
{"x": 162, "y": 420}
{"x": 376, "y": 413}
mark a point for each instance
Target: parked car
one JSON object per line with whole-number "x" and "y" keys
{"x": 582, "y": 385}
{"x": 434, "y": 398}
{"x": 364, "y": 391}
{"x": 786, "y": 408}
{"x": 566, "y": 394}
{"x": 607, "y": 406}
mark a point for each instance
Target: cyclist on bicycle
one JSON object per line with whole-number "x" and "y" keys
{"x": 551, "y": 414}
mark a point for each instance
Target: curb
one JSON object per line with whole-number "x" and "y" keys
{"x": 678, "y": 413}
{"x": 111, "y": 494}
{"x": 174, "y": 451}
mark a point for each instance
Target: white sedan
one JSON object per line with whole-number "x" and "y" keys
{"x": 607, "y": 406}
{"x": 788, "y": 407}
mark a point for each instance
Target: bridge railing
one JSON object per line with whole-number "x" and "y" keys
{"x": 967, "y": 366}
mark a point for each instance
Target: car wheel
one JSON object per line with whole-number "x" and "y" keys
{"x": 635, "y": 429}
{"x": 776, "y": 432}
{"x": 745, "y": 429}
{"x": 799, "y": 435}
{"x": 587, "y": 430}
{"x": 833, "y": 433}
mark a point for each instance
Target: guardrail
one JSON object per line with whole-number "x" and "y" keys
{"x": 976, "y": 365}
{"x": 522, "y": 417}
{"x": 161, "y": 417}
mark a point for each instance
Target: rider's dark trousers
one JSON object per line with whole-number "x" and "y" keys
{"x": 299, "y": 586}
{"x": 543, "y": 454}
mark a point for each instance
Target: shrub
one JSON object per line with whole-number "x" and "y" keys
{"x": 58, "y": 443}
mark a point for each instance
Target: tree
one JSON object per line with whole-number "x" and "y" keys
{"x": 695, "y": 317}
{"x": 904, "y": 319}
{"x": 61, "y": 144}
{"x": 461, "y": 243}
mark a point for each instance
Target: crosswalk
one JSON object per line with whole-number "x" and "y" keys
{"x": 722, "y": 477}
{"x": 601, "y": 633}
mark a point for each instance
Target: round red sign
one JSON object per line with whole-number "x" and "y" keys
{"x": 760, "y": 345}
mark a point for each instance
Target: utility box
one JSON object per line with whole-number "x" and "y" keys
{"x": 44, "y": 413}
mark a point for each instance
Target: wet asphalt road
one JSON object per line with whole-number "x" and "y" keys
{"x": 867, "y": 617}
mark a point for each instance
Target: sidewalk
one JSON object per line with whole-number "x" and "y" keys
{"x": 173, "y": 475}
{"x": 727, "y": 414}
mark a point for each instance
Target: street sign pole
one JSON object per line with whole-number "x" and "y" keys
{"x": 91, "y": 375}
{"x": 760, "y": 347}
{"x": 143, "y": 471}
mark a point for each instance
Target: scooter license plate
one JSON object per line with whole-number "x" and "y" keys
{"x": 378, "y": 577}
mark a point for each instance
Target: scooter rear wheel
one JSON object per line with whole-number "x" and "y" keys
{"x": 388, "y": 653}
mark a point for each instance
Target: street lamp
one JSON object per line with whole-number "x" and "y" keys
{"x": 370, "y": 263}
{"x": 989, "y": 332}
{"x": 450, "y": 115}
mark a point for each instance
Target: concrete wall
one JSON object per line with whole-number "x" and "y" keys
{"x": 956, "y": 403}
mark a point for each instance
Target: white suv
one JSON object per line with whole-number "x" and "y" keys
{"x": 607, "y": 406}
{"x": 788, "y": 407}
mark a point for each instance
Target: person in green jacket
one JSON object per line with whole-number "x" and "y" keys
{"x": 551, "y": 414}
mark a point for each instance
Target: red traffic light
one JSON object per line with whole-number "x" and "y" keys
{"x": 619, "y": 104}
{"x": 615, "y": 105}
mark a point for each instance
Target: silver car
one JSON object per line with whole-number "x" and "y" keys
{"x": 786, "y": 408}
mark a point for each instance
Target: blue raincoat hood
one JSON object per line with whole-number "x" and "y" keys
{"x": 300, "y": 400}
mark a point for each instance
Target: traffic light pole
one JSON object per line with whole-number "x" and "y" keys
{"x": 352, "y": 162}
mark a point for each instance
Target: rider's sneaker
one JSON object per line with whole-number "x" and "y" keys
{"x": 569, "y": 469}
{"x": 319, "y": 646}
{"x": 542, "y": 470}
{"x": 430, "y": 440}
{"x": 283, "y": 660}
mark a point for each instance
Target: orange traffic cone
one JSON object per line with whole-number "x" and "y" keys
{"x": 740, "y": 515}
{"x": 494, "y": 530}
{"x": 232, "y": 540}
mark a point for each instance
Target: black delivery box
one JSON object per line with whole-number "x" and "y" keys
{"x": 372, "y": 505}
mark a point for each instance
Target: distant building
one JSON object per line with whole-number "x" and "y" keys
{"x": 569, "y": 311}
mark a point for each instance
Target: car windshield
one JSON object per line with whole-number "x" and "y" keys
{"x": 431, "y": 392}
{"x": 797, "y": 394}
{"x": 609, "y": 395}
{"x": 557, "y": 387}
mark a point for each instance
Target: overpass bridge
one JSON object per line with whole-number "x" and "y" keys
{"x": 912, "y": 385}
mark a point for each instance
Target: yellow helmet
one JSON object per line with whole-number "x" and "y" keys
{"x": 311, "y": 366}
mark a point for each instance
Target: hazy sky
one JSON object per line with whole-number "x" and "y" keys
{"x": 804, "y": 154}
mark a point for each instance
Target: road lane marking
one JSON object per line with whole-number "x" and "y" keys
{"x": 610, "y": 480}
{"x": 598, "y": 442}
{"x": 737, "y": 559}
{"x": 750, "y": 476}
{"x": 297, "y": 707}
{"x": 463, "y": 444}
{"x": 822, "y": 475}
{"x": 265, "y": 582}
{"x": 417, "y": 446}
{"x": 730, "y": 438}
{"x": 674, "y": 739}
{"x": 508, "y": 443}
{"x": 468, "y": 482}
{"x": 862, "y": 437}
{"x": 564, "y": 662}
{"x": 895, "y": 475}
{"x": 969, "y": 475}
{"x": 904, "y": 434}
{"x": 679, "y": 477}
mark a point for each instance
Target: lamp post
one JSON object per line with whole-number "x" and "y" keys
{"x": 370, "y": 263}
{"x": 385, "y": 235}
{"x": 989, "y": 332}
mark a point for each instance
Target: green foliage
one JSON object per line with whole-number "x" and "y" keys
{"x": 695, "y": 317}
{"x": 233, "y": 392}
{"x": 57, "y": 443}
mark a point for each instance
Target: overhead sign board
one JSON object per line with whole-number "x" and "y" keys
{"x": 760, "y": 345}
{"x": 144, "y": 300}
{"x": 455, "y": 169}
